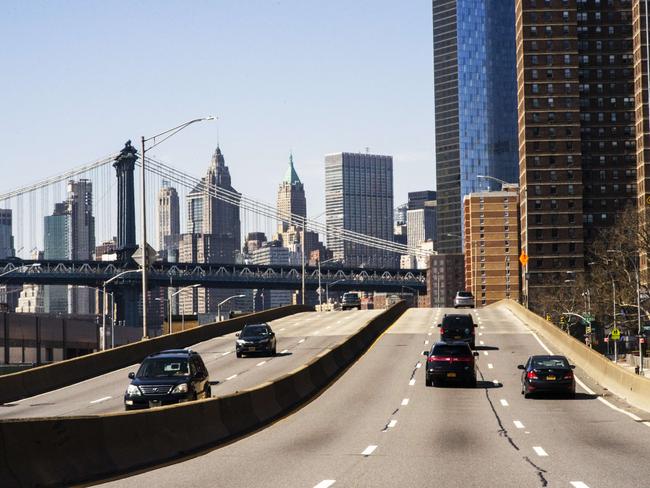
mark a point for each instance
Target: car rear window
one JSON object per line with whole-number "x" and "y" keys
{"x": 449, "y": 350}
{"x": 550, "y": 363}
{"x": 465, "y": 294}
{"x": 457, "y": 322}
{"x": 254, "y": 331}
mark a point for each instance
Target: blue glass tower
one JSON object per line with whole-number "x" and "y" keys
{"x": 475, "y": 86}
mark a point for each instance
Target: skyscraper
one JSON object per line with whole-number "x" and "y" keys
{"x": 359, "y": 198}
{"x": 8, "y": 294}
{"x": 169, "y": 220}
{"x": 421, "y": 217}
{"x": 475, "y": 88}
{"x": 291, "y": 199}
{"x": 57, "y": 238}
{"x": 82, "y": 240}
{"x": 577, "y": 136}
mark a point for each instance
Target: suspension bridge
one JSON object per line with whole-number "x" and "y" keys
{"x": 107, "y": 203}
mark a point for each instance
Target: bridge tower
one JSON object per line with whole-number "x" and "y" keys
{"x": 126, "y": 296}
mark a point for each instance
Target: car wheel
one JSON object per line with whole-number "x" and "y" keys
{"x": 472, "y": 382}
{"x": 527, "y": 394}
{"x": 572, "y": 395}
{"x": 238, "y": 354}
{"x": 427, "y": 381}
{"x": 208, "y": 391}
{"x": 274, "y": 351}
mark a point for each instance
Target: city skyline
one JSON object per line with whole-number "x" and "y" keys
{"x": 270, "y": 112}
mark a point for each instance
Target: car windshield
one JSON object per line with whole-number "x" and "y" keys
{"x": 558, "y": 362}
{"x": 465, "y": 294}
{"x": 255, "y": 331}
{"x": 350, "y": 296}
{"x": 163, "y": 368}
{"x": 448, "y": 350}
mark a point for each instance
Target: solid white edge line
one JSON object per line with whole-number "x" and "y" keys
{"x": 539, "y": 450}
{"x": 405, "y": 402}
{"x": 325, "y": 484}
{"x": 102, "y": 399}
{"x": 592, "y": 392}
{"x": 226, "y": 353}
{"x": 368, "y": 450}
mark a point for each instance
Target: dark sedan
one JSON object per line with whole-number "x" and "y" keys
{"x": 551, "y": 374}
{"x": 256, "y": 338}
{"x": 450, "y": 361}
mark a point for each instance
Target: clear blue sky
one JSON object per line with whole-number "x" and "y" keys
{"x": 81, "y": 77}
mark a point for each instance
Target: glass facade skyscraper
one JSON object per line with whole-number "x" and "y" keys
{"x": 475, "y": 88}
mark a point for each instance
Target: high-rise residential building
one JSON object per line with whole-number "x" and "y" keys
{"x": 57, "y": 239}
{"x": 8, "y": 293}
{"x": 291, "y": 200}
{"x": 82, "y": 236}
{"x": 32, "y": 297}
{"x": 359, "y": 198}
{"x": 445, "y": 277}
{"x": 475, "y": 88}
{"x": 169, "y": 220}
{"x": 491, "y": 242}
{"x": 577, "y": 137}
{"x": 421, "y": 217}
{"x": 271, "y": 253}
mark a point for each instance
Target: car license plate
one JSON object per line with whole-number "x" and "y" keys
{"x": 456, "y": 337}
{"x": 550, "y": 377}
{"x": 451, "y": 375}
{"x": 251, "y": 348}
{"x": 154, "y": 403}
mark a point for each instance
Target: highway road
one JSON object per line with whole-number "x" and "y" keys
{"x": 300, "y": 337}
{"x": 378, "y": 425}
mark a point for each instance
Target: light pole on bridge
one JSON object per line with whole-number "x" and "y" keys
{"x": 105, "y": 301}
{"x": 164, "y": 135}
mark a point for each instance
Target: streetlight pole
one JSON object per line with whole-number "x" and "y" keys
{"x": 327, "y": 287}
{"x": 171, "y": 295}
{"x": 320, "y": 292}
{"x": 105, "y": 301}
{"x": 143, "y": 208}
{"x": 224, "y": 301}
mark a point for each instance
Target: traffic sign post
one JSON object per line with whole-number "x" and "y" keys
{"x": 616, "y": 336}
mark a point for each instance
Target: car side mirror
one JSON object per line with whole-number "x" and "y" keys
{"x": 475, "y": 325}
{"x": 237, "y": 334}
{"x": 272, "y": 333}
{"x": 425, "y": 353}
{"x": 572, "y": 366}
{"x": 131, "y": 375}
{"x": 475, "y": 353}
{"x": 521, "y": 366}
{"x": 439, "y": 325}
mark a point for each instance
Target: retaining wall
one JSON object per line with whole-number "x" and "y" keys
{"x": 52, "y": 376}
{"x": 633, "y": 388}
{"x": 69, "y": 450}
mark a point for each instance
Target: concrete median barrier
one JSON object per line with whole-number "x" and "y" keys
{"x": 633, "y": 388}
{"x": 71, "y": 450}
{"x": 52, "y": 376}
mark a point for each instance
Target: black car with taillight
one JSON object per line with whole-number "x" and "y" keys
{"x": 168, "y": 377}
{"x": 458, "y": 327}
{"x": 450, "y": 361}
{"x": 547, "y": 374}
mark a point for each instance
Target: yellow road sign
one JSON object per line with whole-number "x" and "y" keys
{"x": 616, "y": 334}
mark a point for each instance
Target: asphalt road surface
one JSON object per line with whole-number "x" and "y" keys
{"x": 380, "y": 426}
{"x": 300, "y": 337}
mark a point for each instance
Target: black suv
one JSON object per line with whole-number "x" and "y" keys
{"x": 255, "y": 338}
{"x": 450, "y": 361}
{"x": 350, "y": 301}
{"x": 458, "y": 327}
{"x": 168, "y": 377}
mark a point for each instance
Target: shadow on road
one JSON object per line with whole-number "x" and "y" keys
{"x": 486, "y": 348}
{"x": 562, "y": 396}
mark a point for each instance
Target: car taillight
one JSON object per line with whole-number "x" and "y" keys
{"x": 465, "y": 359}
{"x": 568, "y": 376}
{"x": 442, "y": 331}
{"x": 439, "y": 358}
{"x": 531, "y": 375}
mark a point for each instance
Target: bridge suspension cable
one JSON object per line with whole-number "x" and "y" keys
{"x": 163, "y": 169}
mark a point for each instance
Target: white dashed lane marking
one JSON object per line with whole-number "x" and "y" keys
{"x": 260, "y": 364}
{"x": 481, "y": 343}
{"x": 539, "y": 451}
{"x": 226, "y": 353}
{"x": 412, "y": 382}
{"x": 426, "y": 342}
{"x": 490, "y": 366}
{"x": 518, "y": 424}
{"x": 578, "y": 484}
{"x": 284, "y": 351}
{"x": 102, "y": 399}
{"x": 418, "y": 366}
{"x": 485, "y": 353}
{"x": 504, "y": 402}
{"x": 231, "y": 377}
{"x": 368, "y": 450}
{"x": 405, "y": 402}
{"x": 301, "y": 341}
{"x": 325, "y": 484}
{"x": 392, "y": 424}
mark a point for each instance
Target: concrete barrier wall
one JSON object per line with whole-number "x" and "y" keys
{"x": 71, "y": 450}
{"x": 633, "y": 388}
{"x": 50, "y": 377}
